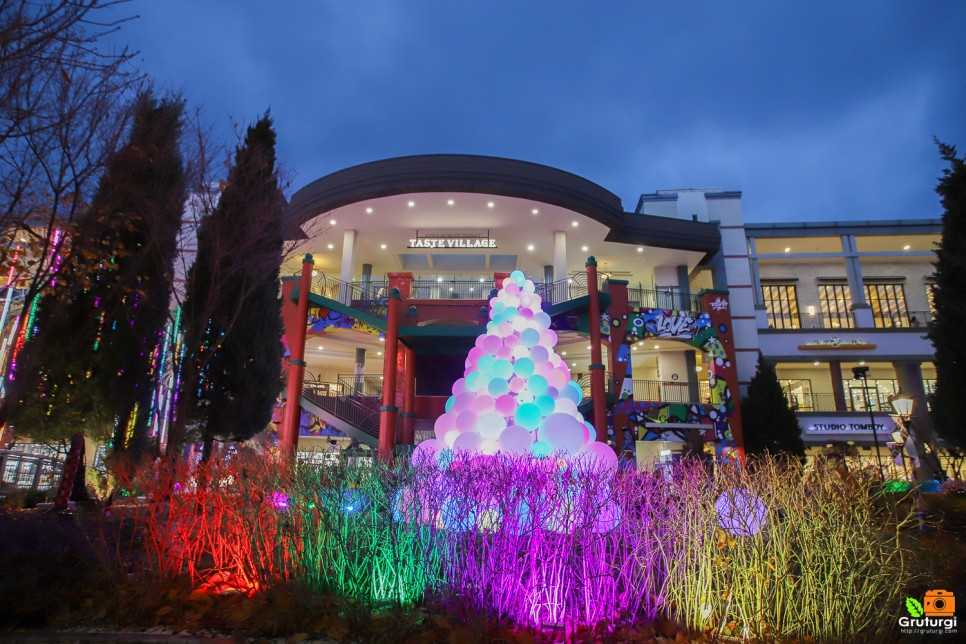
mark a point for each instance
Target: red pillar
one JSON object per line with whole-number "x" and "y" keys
{"x": 597, "y": 363}
{"x": 718, "y": 308}
{"x": 389, "y": 411}
{"x": 289, "y": 436}
{"x": 407, "y": 433}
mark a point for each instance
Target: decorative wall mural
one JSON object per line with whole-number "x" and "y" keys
{"x": 328, "y": 320}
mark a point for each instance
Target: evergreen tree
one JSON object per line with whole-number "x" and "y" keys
{"x": 232, "y": 310}
{"x": 768, "y": 423}
{"x": 948, "y": 408}
{"x": 89, "y": 366}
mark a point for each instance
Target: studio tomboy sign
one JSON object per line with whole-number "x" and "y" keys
{"x": 846, "y": 425}
{"x": 443, "y": 241}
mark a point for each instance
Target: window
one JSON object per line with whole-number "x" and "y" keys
{"x": 879, "y": 392}
{"x": 888, "y": 302}
{"x": 781, "y": 303}
{"x": 799, "y": 393}
{"x": 836, "y": 301}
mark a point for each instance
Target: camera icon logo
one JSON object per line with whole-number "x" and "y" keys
{"x": 939, "y": 603}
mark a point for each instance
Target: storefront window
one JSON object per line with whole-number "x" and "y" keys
{"x": 836, "y": 301}
{"x": 888, "y": 302}
{"x": 781, "y": 303}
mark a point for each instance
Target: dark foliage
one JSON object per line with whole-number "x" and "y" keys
{"x": 88, "y": 368}
{"x": 949, "y": 293}
{"x": 232, "y": 310}
{"x": 768, "y": 422}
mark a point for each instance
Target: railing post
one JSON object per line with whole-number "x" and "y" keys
{"x": 597, "y": 364}
{"x": 288, "y": 438}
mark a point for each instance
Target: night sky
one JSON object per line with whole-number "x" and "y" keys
{"x": 816, "y": 110}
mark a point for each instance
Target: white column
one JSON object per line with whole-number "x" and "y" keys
{"x": 348, "y": 259}
{"x": 560, "y": 265}
{"x": 861, "y": 310}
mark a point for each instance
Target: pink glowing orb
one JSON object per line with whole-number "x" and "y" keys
{"x": 516, "y": 440}
{"x": 598, "y": 455}
{"x": 563, "y": 433}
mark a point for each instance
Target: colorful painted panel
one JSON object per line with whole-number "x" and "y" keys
{"x": 328, "y": 320}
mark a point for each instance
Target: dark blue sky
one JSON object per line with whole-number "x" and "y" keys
{"x": 815, "y": 110}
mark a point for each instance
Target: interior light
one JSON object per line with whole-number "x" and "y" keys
{"x": 382, "y": 339}
{"x": 816, "y": 363}
{"x": 634, "y": 348}
{"x": 810, "y": 310}
{"x": 471, "y": 289}
{"x": 368, "y": 211}
{"x": 529, "y": 246}
{"x": 583, "y": 248}
{"x": 481, "y": 280}
{"x": 412, "y": 203}
{"x": 451, "y": 288}
{"x": 450, "y": 202}
{"x": 588, "y": 347}
{"x": 332, "y": 222}
{"x": 563, "y": 353}
{"x": 573, "y": 364}
{"x": 788, "y": 249}
{"x": 698, "y": 368}
{"x": 640, "y": 249}
{"x": 489, "y": 204}
{"x": 314, "y": 273}
{"x": 439, "y": 279}
{"x": 382, "y": 246}
{"x": 906, "y": 247}
{"x": 657, "y": 346}
{"x": 378, "y": 353}
{"x": 534, "y": 212}
{"x": 331, "y": 246}
{"x": 574, "y": 224}
{"x": 862, "y": 364}
{"x": 320, "y": 347}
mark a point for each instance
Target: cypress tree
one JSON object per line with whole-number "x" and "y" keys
{"x": 768, "y": 423}
{"x": 89, "y": 367}
{"x": 948, "y": 404}
{"x": 232, "y": 309}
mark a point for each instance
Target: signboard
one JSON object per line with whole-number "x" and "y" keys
{"x": 853, "y": 424}
{"x": 445, "y": 241}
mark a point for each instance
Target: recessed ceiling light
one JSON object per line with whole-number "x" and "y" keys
{"x": 331, "y": 246}
{"x": 529, "y": 246}
{"x": 451, "y": 288}
{"x": 534, "y": 212}
{"x": 906, "y": 247}
{"x": 816, "y": 363}
{"x": 640, "y": 249}
{"x": 583, "y": 248}
{"x": 489, "y": 204}
{"x": 320, "y": 347}
{"x": 332, "y": 222}
{"x": 439, "y": 279}
{"x": 471, "y": 289}
{"x": 412, "y": 203}
{"x": 450, "y": 202}
{"x": 382, "y": 246}
{"x": 788, "y": 249}
{"x": 657, "y": 346}
{"x": 314, "y": 273}
{"x": 698, "y": 368}
{"x": 382, "y": 339}
{"x": 862, "y": 364}
{"x": 368, "y": 211}
{"x": 481, "y": 280}
{"x": 574, "y": 224}
{"x": 588, "y": 347}
{"x": 634, "y": 348}
{"x": 378, "y": 353}
{"x": 563, "y": 353}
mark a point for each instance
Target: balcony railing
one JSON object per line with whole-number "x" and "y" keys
{"x": 450, "y": 289}
{"x": 654, "y": 299}
{"x": 826, "y": 402}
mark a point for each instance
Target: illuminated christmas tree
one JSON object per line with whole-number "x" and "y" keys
{"x": 516, "y": 395}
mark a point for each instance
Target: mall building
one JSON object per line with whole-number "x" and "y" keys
{"x": 687, "y": 292}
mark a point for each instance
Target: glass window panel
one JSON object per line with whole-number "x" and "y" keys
{"x": 836, "y": 301}
{"x": 781, "y": 304}
{"x": 888, "y": 302}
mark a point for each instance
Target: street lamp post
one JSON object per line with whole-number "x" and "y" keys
{"x": 862, "y": 373}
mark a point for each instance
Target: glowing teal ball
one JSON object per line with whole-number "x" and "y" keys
{"x": 523, "y": 367}
{"x": 527, "y": 415}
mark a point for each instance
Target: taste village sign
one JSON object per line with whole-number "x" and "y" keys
{"x": 452, "y": 241}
